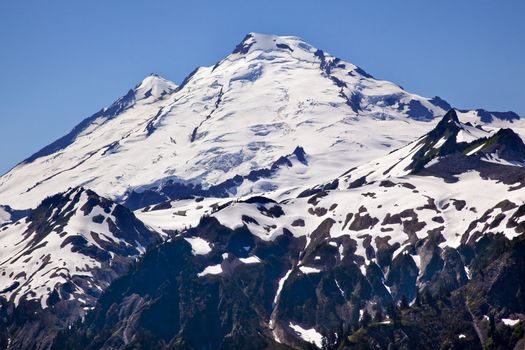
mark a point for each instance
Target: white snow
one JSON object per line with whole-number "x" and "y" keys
{"x": 476, "y": 149}
{"x": 387, "y": 288}
{"x": 167, "y": 219}
{"x": 211, "y": 270}
{"x": 307, "y": 270}
{"x": 250, "y": 260}
{"x": 432, "y": 162}
{"x": 467, "y": 272}
{"x": 198, "y": 245}
{"x": 280, "y": 286}
{"x": 339, "y": 287}
{"x": 510, "y": 322}
{"x": 308, "y": 335}
{"x": 417, "y": 260}
{"x": 4, "y": 215}
{"x": 283, "y": 100}
{"x": 469, "y": 134}
{"x": 362, "y": 268}
{"x": 440, "y": 142}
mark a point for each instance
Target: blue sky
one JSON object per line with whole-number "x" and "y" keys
{"x": 61, "y": 61}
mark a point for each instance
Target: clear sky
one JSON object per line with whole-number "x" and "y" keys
{"x": 63, "y": 60}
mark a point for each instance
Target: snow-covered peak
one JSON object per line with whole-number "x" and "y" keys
{"x": 280, "y": 49}
{"x": 451, "y": 118}
{"x": 72, "y": 245}
{"x": 267, "y": 42}
{"x": 154, "y": 86}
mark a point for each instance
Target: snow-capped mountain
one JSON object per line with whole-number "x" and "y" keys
{"x": 269, "y": 96}
{"x": 66, "y": 238}
{"x": 275, "y": 199}
{"x": 56, "y": 262}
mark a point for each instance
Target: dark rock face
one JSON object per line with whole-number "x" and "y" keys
{"x": 498, "y": 276}
{"x": 506, "y": 145}
{"x": 169, "y": 308}
{"x": 402, "y": 277}
{"x": 449, "y": 168}
{"x": 438, "y": 101}
{"x": 244, "y": 46}
{"x": 447, "y": 129}
{"x": 488, "y": 117}
{"x": 418, "y": 111}
{"x": 318, "y": 286}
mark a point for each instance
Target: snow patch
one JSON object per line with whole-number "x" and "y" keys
{"x": 198, "y": 245}
{"x": 308, "y": 335}
{"x": 280, "y": 286}
{"x": 510, "y": 322}
{"x": 250, "y": 260}
{"x": 211, "y": 270}
{"x": 307, "y": 270}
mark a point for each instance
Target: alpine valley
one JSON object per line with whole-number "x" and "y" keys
{"x": 280, "y": 199}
